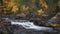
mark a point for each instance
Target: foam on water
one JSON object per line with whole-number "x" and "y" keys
{"x": 30, "y": 25}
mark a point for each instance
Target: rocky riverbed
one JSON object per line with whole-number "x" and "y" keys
{"x": 7, "y": 28}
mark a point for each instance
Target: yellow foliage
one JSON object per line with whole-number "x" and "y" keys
{"x": 5, "y": 1}
{"x": 40, "y": 12}
{"x": 11, "y": 4}
{"x": 44, "y": 4}
{"x": 15, "y": 8}
{"x": 24, "y": 8}
{"x": 59, "y": 3}
{"x": 54, "y": 25}
{"x": 33, "y": 1}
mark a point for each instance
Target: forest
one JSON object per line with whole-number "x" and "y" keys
{"x": 45, "y": 11}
